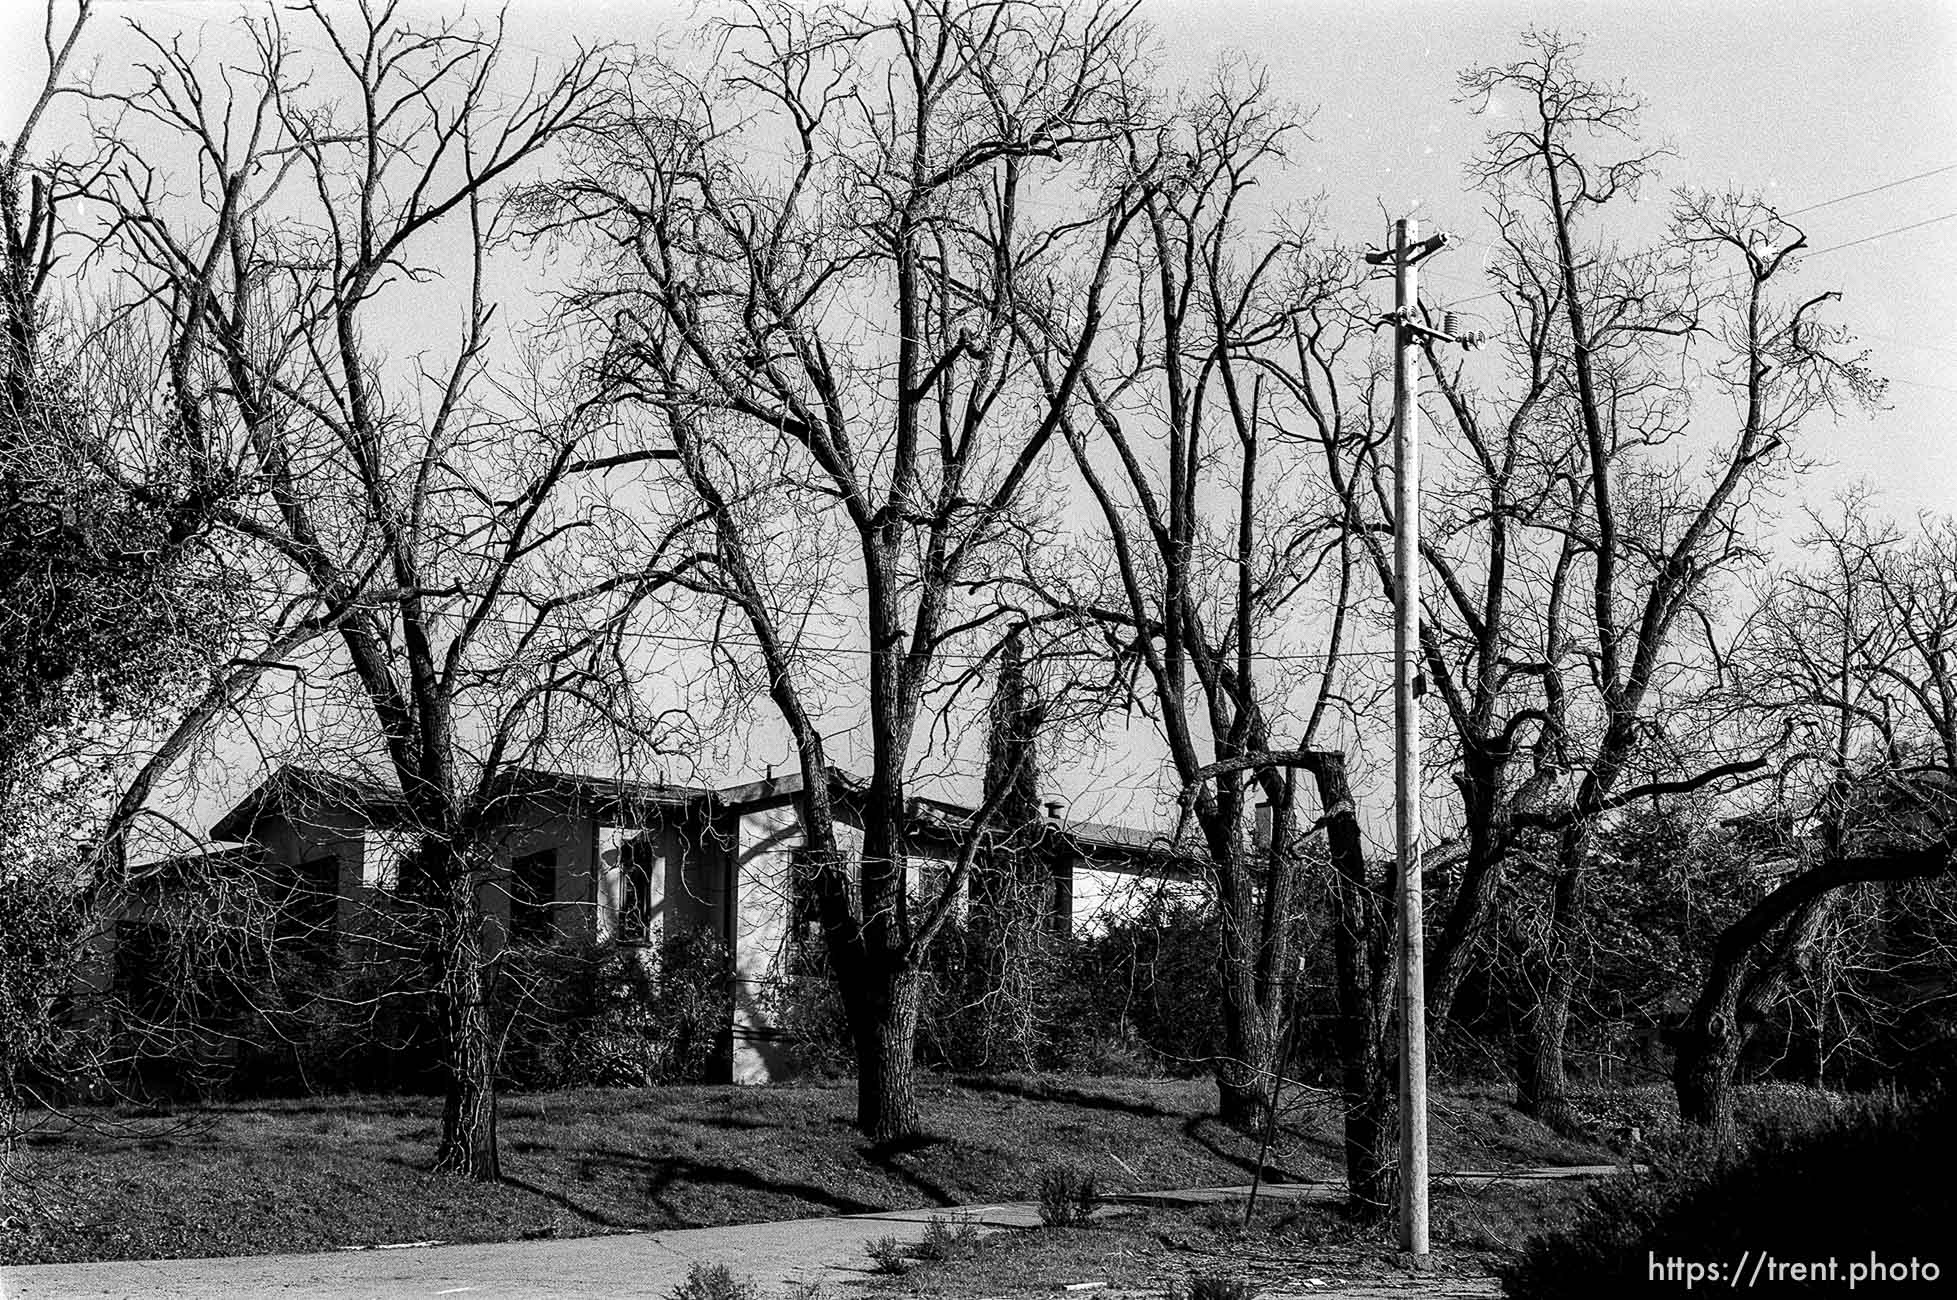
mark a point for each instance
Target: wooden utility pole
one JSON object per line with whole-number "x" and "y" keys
{"x": 1408, "y": 333}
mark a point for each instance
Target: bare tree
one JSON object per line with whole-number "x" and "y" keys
{"x": 419, "y": 508}
{"x": 808, "y": 268}
{"x": 1647, "y": 538}
{"x": 1860, "y": 651}
{"x": 1213, "y": 544}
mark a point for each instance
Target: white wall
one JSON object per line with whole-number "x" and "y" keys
{"x": 764, "y": 856}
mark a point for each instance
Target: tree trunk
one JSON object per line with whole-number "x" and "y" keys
{"x": 883, "y": 1010}
{"x": 1250, "y": 1067}
{"x": 1703, "y": 1075}
{"x": 1542, "y": 1087}
{"x": 468, "y": 1145}
{"x": 1710, "y": 1044}
{"x": 1363, "y": 928}
{"x": 1261, "y": 937}
{"x": 1481, "y": 880}
{"x": 1371, "y": 1136}
{"x": 1253, "y": 1005}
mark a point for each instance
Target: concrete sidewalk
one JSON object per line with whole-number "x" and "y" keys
{"x": 775, "y": 1255}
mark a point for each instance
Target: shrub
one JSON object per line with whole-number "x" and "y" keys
{"x": 40, "y": 933}
{"x": 948, "y": 1239}
{"x": 210, "y": 1000}
{"x": 887, "y": 1256}
{"x": 1802, "y": 1187}
{"x": 802, "y": 1000}
{"x": 1211, "y": 1287}
{"x": 611, "y": 1015}
{"x": 996, "y": 981}
{"x": 1146, "y": 983}
{"x": 713, "y": 1282}
{"x": 1066, "y": 1196}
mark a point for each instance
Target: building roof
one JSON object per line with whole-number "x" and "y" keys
{"x": 296, "y": 793}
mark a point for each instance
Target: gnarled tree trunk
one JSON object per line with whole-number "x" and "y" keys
{"x": 1363, "y": 927}
{"x": 468, "y": 1144}
{"x": 1542, "y": 1081}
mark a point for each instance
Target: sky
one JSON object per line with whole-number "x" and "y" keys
{"x": 1843, "y": 113}
{"x": 1805, "y": 103}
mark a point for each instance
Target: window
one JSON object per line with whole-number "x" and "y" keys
{"x": 141, "y": 957}
{"x": 638, "y": 894}
{"x": 533, "y": 889}
{"x": 312, "y": 905}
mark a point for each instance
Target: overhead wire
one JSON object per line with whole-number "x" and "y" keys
{"x": 1873, "y": 189}
{"x": 849, "y": 651}
{"x": 1812, "y": 207}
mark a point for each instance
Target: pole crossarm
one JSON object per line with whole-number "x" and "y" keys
{"x": 1410, "y": 253}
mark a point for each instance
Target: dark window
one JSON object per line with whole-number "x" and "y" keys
{"x": 804, "y": 906}
{"x": 312, "y": 907}
{"x": 141, "y": 954}
{"x": 637, "y": 899}
{"x": 533, "y": 888}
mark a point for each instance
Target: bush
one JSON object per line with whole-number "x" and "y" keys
{"x": 1145, "y": 989}
{"x": 887, "y": 1256}
{"x": 610, "y": 1015}
{"x": 802, "y": 1001}
{"x": 209, "y": 1002}
{"x": 1803, "y": 1186}
{"x": 948, "y": 1239}
{"x": 1138, "y": 997}
{"x": 1066, "y": 1197}
{"x": 1211, "y": 1287}
{"x": 40, "y": 933}
{"x": 713, "y": 1282}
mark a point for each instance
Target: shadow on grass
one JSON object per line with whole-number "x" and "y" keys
{"x": 885, "y": 1156}
{"x": 664, "y": 1174}
{"x": 584, "y": 1212}
{"x": 1065, "y": 1095}
{"x": 340, "y": 1107}
{"x": 734, "y": 1122}
{"x": 1192, "y": 1127}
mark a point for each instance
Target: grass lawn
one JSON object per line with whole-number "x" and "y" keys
{"x": 352, "y": 1171}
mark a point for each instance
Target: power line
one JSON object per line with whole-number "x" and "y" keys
{"x": 1883, "y": 234}
{"x": 1812, "y": 207}
{"x": 843, "y": 651}
{"x": 1873, "y": 189}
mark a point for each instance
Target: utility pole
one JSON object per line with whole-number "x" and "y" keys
{"x": 1409, "y": 332}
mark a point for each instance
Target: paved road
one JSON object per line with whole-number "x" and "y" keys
{"x": 629, "y": 1264}
{"x": 776, "y": 1255}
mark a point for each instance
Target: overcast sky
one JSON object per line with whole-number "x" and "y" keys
{"x": 1844, "y": 114}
